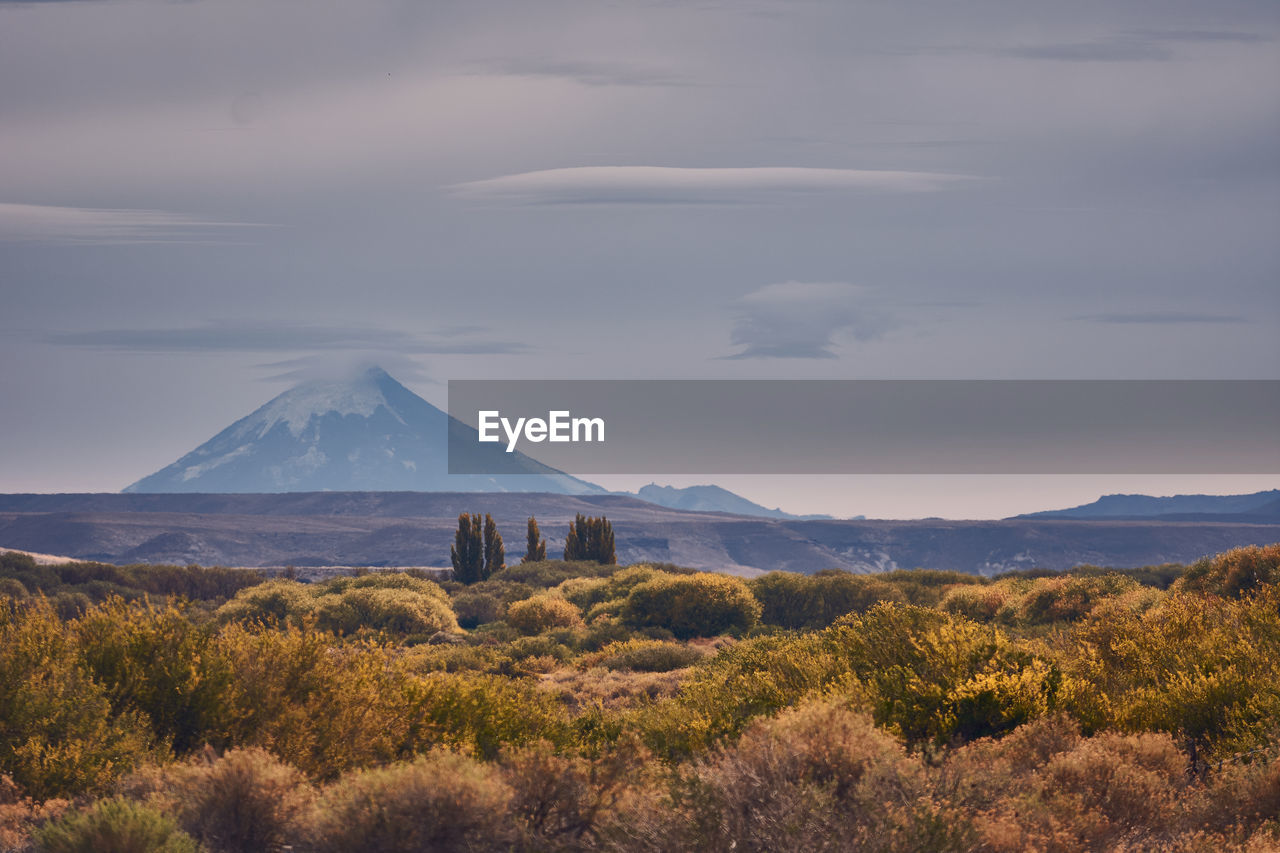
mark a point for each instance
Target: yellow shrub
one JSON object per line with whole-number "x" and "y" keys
{"x": 543, "y": 612}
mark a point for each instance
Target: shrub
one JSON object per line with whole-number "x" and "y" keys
{"x": 12, "y": 588}
{"x": 926, "y": 587}
{"x": 244, "y": 802}
{"x": 322, "y": 708}
{"x": 272, "y": 603}
{"x": 58, "y": 732}
{"x": 114, "y": 826}
{"x": 701, "y": 605}
{"x": 549, "y": 573}
{"x": 645, "y": 656}
{"x": 377, "y": 608}
{"x": 1070, "y": 598}
{"x": 563, "y": 800}
{"x": 584, "y": 592}
{"x": 796, "y": 601}
{"x": 477, "y": 608}
{"x": 383, "y": 580}
{"x": 1204, "y": 670}
{"x": 1233, "y": 573}
{"x": 811, "y": 776}
{"x": 542, "y": 612}
{"x": 724, "y": 694}
{"x": 935, "y": 679}
{"x": 978, "y": 603}
{"x": 442, "y": 801}
{"x": 153, "y": 659}
{"x": 481, "y": 714}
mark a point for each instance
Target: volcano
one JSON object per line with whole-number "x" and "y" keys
{"x": 368, "y": 434}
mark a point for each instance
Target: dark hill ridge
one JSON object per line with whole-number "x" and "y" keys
{"x": 1257, "y": 507}
{"x": 398, "y": 529}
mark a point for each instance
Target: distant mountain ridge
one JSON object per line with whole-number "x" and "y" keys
{"x": 710, "y": 499}
{"x": 1259, "y": 506}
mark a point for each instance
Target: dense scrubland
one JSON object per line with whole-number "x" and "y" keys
{"x": 580, "y": 706}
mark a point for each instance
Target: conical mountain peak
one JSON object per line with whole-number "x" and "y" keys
{"x": 364, "y": 433}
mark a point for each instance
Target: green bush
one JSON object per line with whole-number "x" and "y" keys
{"x": 701, "y": 605}
{"x": 477, "y": 608}
{"x": 154, "y": 660}
{"x": 12, "y": 588}
{"x": 796, "y": 601}
{"x": 114, "y": 826}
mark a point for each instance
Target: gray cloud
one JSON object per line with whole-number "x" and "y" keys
{"x": 586, "y": 72}
{"x": 675, "y": 185}
{"x": 39, "y": 223}
{"x": 799, "y": 319}
{"x": 1192, "y": 36}
{"x": 1162, "y": 318}
{"x": 1110, "y": 50}
{"x": 227, "y": 337}
{"x": 1129, "y": 46}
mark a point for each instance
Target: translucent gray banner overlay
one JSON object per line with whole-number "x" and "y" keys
{"x": 870, "y": 426}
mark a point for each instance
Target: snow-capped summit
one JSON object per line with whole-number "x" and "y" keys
{"x": 300, "y": 406}
{"x": 367, "y": 434}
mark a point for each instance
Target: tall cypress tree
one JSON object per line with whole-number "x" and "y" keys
{"x": 536, "y": 547}
{"x": 575, "y": 543}
{"x": 495, "y": 557}
{"x": 606, "y": 553}
{"x": 467, "y": 552}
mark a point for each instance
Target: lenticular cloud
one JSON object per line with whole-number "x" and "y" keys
{"x": 673, "y": 185}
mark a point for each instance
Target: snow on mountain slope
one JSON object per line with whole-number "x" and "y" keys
{"x": 370, "y": 434}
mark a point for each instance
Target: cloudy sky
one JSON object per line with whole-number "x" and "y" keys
{"x": 203, "y": 200}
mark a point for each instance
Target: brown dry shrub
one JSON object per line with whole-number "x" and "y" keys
{"x": 20, "y": 815}
{"x": 978, "y": 775}
{"x": 247, "y": 801}
{"x": 611, "y": 689}
{"x": 1108, "y": 792}
{"x": 442, "y": 801}
{"x": 1134, "y": 781}
{"x": 565, "y": 800}
{"x": 819, "y": 777}
{"x": 1241, "y": 801}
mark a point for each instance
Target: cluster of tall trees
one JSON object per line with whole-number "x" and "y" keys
{"x": 477, "y": 550}
{"x": 590, "y": 539}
